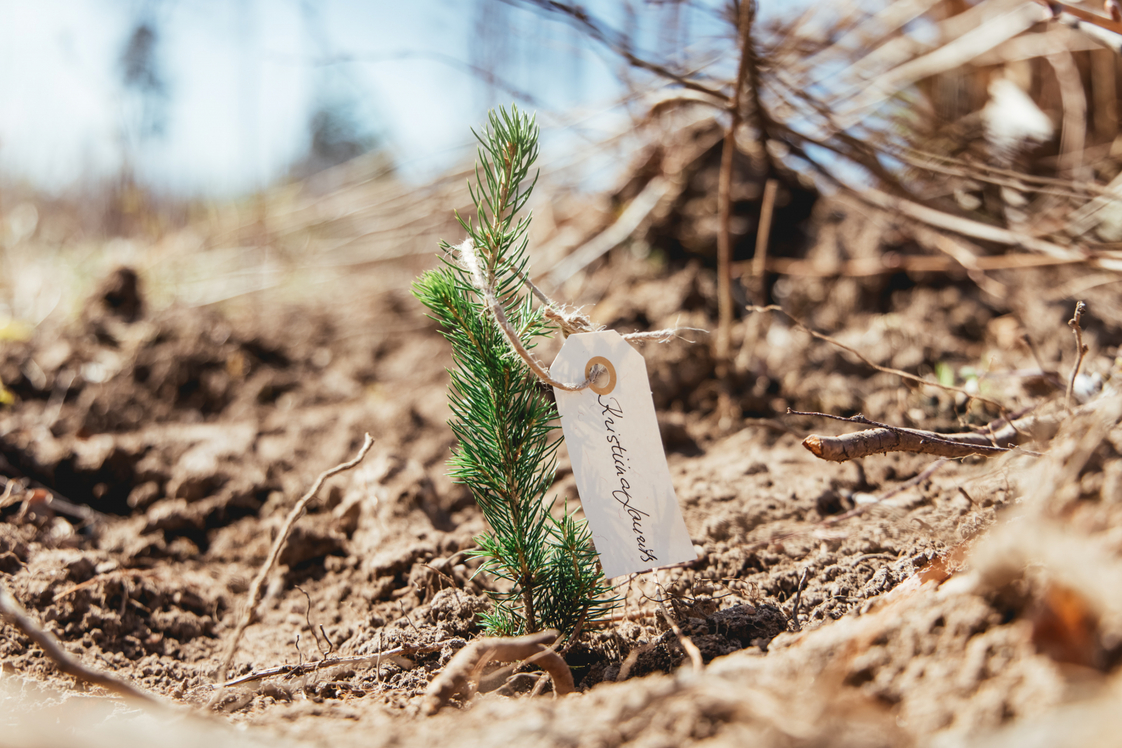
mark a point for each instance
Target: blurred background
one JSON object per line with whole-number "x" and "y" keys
{"x": 290, "y": 143}
{"x": 133, "y": 120}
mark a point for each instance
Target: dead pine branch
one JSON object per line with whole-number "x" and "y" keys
{"x": 1080, "y": 349}
{"x": 14, "y": 614}
{"x": 884, "y": 438}
{"x": 469, "y": 661}
{"x": 257, "y": 588}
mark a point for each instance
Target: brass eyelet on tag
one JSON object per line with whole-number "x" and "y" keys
{"x": 611, "y": 385}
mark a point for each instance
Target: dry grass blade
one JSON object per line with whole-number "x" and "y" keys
{"x": 257, "y": 588}
{"x": 627, "y": 223}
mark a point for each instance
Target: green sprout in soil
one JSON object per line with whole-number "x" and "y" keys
{"x": 502, "y": 418}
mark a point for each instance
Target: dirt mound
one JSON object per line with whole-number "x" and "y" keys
{"x": 152, "y": 455}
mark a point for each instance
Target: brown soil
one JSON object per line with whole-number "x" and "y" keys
{"x": 978, "y": 605}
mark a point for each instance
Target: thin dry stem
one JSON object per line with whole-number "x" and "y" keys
{"x": 686, "y": 643}
{"x": 14, "y": 614}
{"x": 794, "y": 619}
{"x": 309, "y": 667}
{"x": 257, "y": 588}
{"x": 724, "y": 196}
{"x": 885, "y": 369}
{"x": 1080, "y": 349}
{"x": 759, "y": 260}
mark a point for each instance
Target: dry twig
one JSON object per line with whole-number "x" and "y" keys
{"x": 303, "y": 668}
{"x": 12, "y": 612}
{"x": 995, "y": 439}
{"x": 1080, "y": 349}
{"x": 257, "y": 588}
{"x": 759, "y": 260}
{"x": 977, "y": 230}
{"x": 794, "y": 619}
{"x": 724, "y": 193}
{"x": 471, "y": 659}
{"x": 687, "y": 643}
{"x": 885, "y": 369}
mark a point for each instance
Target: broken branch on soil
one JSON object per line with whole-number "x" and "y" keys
{"x": 532, "y": 648}
{"x": 12, "y": 612}
{"x": 885, "y": 369}
{"x": 257, "y": 588}
{"x": 1080, "y": 348}
{"x": 1001, "y": 436}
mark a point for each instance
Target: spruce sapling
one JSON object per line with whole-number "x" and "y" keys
{"x": 501, "y": 416}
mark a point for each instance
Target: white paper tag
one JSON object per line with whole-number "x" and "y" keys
{"x": 620, "y": 465}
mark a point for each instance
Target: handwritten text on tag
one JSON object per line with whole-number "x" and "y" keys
{"x": 618, "y": 460}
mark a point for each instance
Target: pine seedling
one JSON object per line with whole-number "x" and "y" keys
{"x": 502, "y": 418}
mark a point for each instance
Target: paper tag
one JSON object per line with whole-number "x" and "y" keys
{"x": 620, "y": 465}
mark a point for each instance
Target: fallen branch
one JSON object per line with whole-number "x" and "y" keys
{"x": 257, "y": 588}
{"x": 471, "y": 659}
{"x": 14, "y": 614}
{"x": 885, "y": 438}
